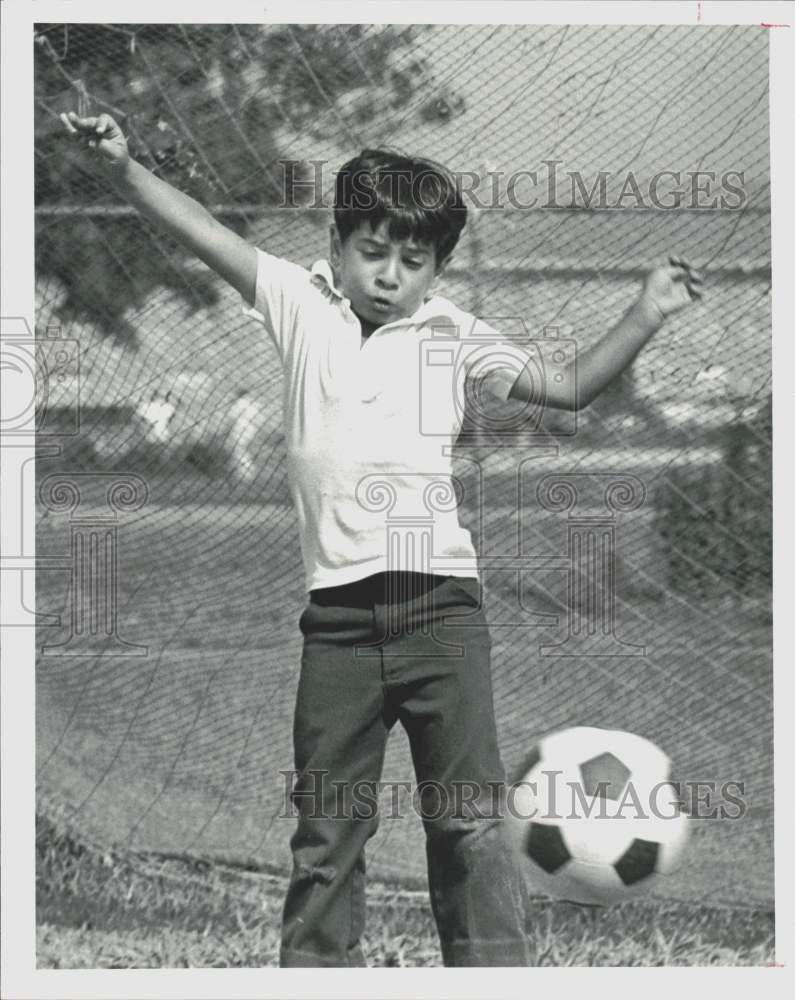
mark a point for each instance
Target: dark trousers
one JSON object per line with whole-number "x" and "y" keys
{"x": 414, "y": 648}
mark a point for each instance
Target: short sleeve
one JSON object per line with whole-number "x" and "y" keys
{"x": 281, "y": 287}
{"x": 492, "y": 362}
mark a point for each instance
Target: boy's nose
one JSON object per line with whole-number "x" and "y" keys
{"x": 387, "y": 277}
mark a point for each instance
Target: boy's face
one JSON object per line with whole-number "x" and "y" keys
{"x": 385, "y": 279}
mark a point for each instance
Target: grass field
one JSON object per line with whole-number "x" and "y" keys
{"x": 107, "y": 909}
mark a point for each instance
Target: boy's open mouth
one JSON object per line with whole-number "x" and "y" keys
{"x": 381, "y": 304}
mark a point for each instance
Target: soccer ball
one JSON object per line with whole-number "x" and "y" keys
{"x": 596, "y": 815}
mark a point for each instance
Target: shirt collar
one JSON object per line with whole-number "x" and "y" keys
{"x": 322, "y": 275}
{"x": 434, "y": 309}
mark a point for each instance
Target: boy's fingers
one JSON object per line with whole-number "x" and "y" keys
{"x": 69, "y": 126}
{"x": 102, "y": 123}
{"x": 679, "y": 274}
{"x": 693, "y": 278}
{"x": 694, "y": 289}
{"x": 683, "y": 273}
{"x": 82, "y": 124}
{"x": 681, "y": 262}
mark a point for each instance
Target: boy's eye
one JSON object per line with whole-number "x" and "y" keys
{"x": 414, "y": 264}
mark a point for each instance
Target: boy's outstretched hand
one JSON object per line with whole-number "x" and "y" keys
{"x": 668, "y": 289}
{"x": 101, "y": 134}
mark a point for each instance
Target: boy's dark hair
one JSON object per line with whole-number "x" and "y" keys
{"x": 420, "y": 199}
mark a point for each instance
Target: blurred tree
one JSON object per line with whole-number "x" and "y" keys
{"x": 211, "y": 109}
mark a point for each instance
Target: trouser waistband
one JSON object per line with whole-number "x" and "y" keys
{"x": 380, "y": 588}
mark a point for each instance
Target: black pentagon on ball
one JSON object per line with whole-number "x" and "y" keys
{"x": 546, "y": 847}
{"x": 605, "y": 776}
{"x": 638, "y": 861}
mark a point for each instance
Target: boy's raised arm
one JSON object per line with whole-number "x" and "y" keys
{"x": 170, "y": 210}
{"x": 666, "y": 290}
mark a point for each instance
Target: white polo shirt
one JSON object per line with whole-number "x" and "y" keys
{"x": 369, "y": 427}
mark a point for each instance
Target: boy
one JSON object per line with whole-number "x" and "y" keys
{"x": 383, "y": 632}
